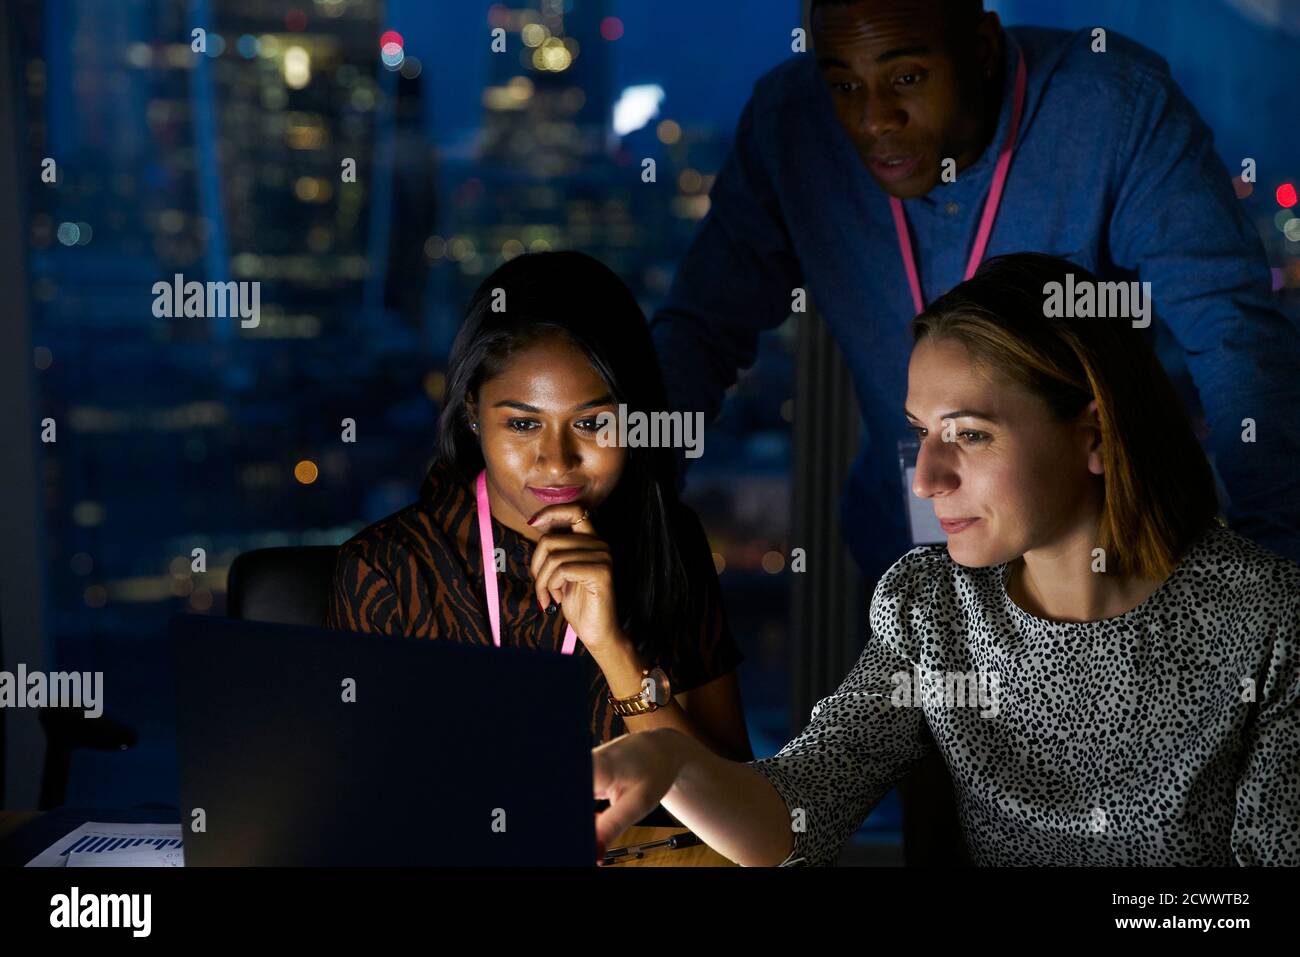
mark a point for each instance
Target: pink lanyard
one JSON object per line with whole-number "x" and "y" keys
{"x": 487, "y": 545}
{"x": 990, "y": 205}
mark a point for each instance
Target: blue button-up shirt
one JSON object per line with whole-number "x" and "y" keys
{"x": 1113, "y": 170}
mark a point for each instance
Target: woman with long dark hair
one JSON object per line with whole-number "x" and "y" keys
{"x": 1111, "y": 675}
{"x": 536, "y": 527}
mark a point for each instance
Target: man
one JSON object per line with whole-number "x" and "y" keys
{"x": 1110, "y": 167}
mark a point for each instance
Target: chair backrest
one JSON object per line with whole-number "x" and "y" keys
{"x": 289, "y": 586}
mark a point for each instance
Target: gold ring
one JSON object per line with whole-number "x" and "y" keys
{"x": 585, "y": 513}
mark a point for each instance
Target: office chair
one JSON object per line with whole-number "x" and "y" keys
{"x": 284, "y": 585}
{"x": 288, "y": 586}
{"x": 67, "y": 729}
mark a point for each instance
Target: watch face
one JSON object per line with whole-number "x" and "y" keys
{"x": 655, "y": 687}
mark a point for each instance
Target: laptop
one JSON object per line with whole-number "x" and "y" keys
{"x": 302, "y": 746}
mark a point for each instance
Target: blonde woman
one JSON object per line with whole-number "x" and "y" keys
{"x": 1142, "y": 657}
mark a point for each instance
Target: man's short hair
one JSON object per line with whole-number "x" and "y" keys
{"x": 959, "y": 15}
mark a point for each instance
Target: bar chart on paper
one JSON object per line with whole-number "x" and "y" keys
{"x": 115, "y": 845}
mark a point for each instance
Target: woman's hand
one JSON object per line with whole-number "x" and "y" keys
{"x": 633, "y": 773}
{"x": 574, "y": 567}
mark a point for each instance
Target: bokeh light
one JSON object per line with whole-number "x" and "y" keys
{"x": 1286, "y": 195}
{"x": 88, "y": 514}
{"x": 611, "y": 28}
{"x": 392, "y": 55}
{"x": 297, "y": 68}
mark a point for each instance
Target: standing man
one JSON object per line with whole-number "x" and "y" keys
{"x": 919, "y": 138}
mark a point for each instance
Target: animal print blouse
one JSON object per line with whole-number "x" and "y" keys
{"x": 1169, "y": 735}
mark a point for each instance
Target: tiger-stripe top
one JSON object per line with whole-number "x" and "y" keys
{"x": 419, "y": 573}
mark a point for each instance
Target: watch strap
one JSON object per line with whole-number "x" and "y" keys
{"x": 639, "y": 703}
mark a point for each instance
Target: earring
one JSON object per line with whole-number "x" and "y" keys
{"x": 473, "y": 426}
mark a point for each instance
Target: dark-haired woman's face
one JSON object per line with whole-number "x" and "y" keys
{"x": 1011, "y": 476}
{"x": 538, "y": 430}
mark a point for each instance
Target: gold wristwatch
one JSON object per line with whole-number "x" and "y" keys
{"x": 655, "y": 693}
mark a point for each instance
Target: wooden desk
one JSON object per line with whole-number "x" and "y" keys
{"x": 696, "y": 856}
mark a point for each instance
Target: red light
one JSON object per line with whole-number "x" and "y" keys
{"x": 611, "y": 28}
{"x": 295, "y": 20}
{"x": 391, "y": 36}
{"x": 1286, "y": 195}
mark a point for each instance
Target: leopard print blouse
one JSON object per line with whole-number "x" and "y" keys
{"x": 1169, "y": 735}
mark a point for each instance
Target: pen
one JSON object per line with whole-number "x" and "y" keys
{"x": 623, "y": 856}
{"x": 671, "y": 843}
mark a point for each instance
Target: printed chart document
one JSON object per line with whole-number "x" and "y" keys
{"x": 115, "y": 845}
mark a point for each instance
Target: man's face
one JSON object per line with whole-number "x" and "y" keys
{"x": 906, "y": 92}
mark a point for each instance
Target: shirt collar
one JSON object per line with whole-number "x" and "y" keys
{"x": 450, "y": 498}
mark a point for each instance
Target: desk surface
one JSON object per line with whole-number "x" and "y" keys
{"x": 696, "y": 856}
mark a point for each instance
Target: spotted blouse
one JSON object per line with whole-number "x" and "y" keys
{"x": 1169, "y": 735}
{"x": 419, "y": 573}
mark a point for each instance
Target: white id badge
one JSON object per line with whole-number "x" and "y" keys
{"x": 925, "y": 528}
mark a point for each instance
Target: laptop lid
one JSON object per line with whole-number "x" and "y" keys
{"x": 302, "y": 746}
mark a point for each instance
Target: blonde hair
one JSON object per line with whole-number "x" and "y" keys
{"x": 1158, "y": 486}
